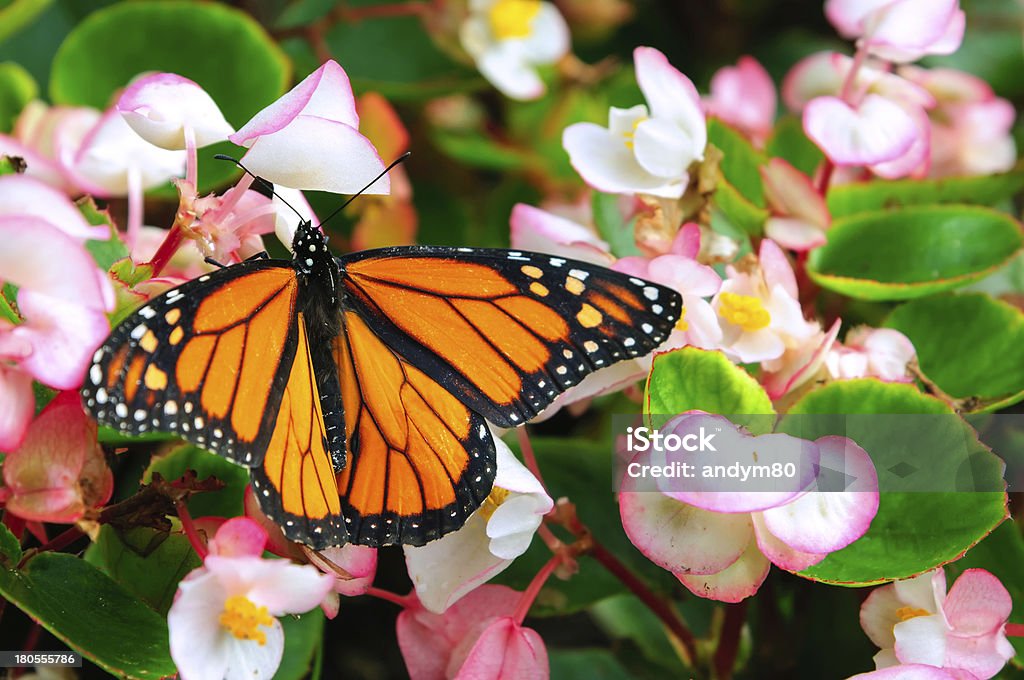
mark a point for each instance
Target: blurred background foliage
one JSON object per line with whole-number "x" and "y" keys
{"x": 475, "y": 154}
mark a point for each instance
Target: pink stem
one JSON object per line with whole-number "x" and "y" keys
{"x": 190, "y": 530}
{"x": 846, "y": 93}
{"x": 136, "y": 200}
{"x": 394, "y": 598}
{"x": 530, "y": 594}
{"x": 528, "y": 456}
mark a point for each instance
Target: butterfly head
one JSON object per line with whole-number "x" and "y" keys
{"x": 309, "y": 249}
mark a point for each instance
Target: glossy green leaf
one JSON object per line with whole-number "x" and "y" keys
{"x": 740, "y": 212}
{"x": 17, "y": 88}
{"x": 226, "y": 502}
{"x": 593, "y": 664}
{"x": 690, "y": 379}
{"x": 860, "y": 197}
{"x": 741, "y": 162}
{"x": 149, "y": 563}
{"x": 478, "y": 151}
{"x": 303, "y": 636}
{"x": 913, "y": 252}
{"x": 617, "y": 233}
{"x": 18, "y": 14}
{"x": 110, "y": 627}
{"x": 113, "y": 45}
{"x": 918, "y": 445}
{"x": 10, "y": 548}
{"x": 789, "y": 142}
{"x": 626, "y": 618}
{"x": 972, "y": 346}
{"x": 396, "y": 57}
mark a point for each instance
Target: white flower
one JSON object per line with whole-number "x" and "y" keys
{"x": 498, "y": 532}
{"x": 165, "y": 109}
{"x": 508, "y": 39}
{"x": 644, "y": 149}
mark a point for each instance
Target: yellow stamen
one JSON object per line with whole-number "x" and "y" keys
{"x": 744, "y": 311}
{"x": 907, "y": 613}
{"x": 632, "y": 133}
{"x": 682, "y": 324}
{"x": 243, "y": 619}
{"x": 512, "y": 18}
{"x": 495, "y": 499}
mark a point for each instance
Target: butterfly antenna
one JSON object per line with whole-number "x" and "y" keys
{"x": 400, "y": 159}
{"x": 267, "y": 184}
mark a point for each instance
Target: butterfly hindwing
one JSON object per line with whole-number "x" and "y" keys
{"x": 207, "y": 360}
{"x": 295, "y": 483}
{"x": 505, "y": 331}
{"x": 419, "y": 461}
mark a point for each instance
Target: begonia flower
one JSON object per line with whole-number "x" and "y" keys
{"x": 799, "y": 363}
{"x": 168, "y": 110}
{"x": 743, "y": 96}
{"x": 538, "y": 230}
{"x": 900, "y": 30}
{"x": 719, "y": 541}
{"x": 59, "y": 470}
{"x": 913, "y": 671}
{"x": 309, "y": 138}
{"x": 915, "y": 621}
{"x": 63, "y": 298}
{"x": 759, "y": 310}
{"x": 477, "y": 637}
{"x": 799, "y": 216}
{"x": 872, "y": 352}
{"x": 47, "y": 138}
{"x": 645, "y": 149}
{"x": 26, "y": 195}
{"x": 500, "y": 530}
{"x": 509, "y": 39}
{"x": 875, "y": 131}
{"x": 229, "y": 227}
{"x": 223, "y": 620}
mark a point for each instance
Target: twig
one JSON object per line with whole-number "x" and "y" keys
{"x": 729, "y": 640}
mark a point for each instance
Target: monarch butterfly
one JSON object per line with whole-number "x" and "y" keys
{"x": 356, "y": 389}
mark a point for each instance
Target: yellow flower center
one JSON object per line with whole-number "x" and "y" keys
{"x": 907, "y": 613}
{"x": 243, "y": 619}
{"x": 682, "y": 324}
{"x": 512, "y": 18}
{"x": 745, "y": 311}
{"x": 632, "y": 133}
{"x": 494, "y": 499}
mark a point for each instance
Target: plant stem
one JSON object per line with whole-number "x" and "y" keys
{"x": 1015, "y": 629}
{"x": 167, "y": 249}
{"x": 729, "y": 640}
{"x": 394, "y": 598}
{"x": 62, "y": 540}
{"x": 529, "y": 459}
{"x": 190, "y": 530}
{"x": 530, "y": 594}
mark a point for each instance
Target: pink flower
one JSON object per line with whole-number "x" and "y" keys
{"x": 445, "y": 570}
{"x": 872, "y": 352}
{"x": 743, "y": 96}
{"x": 645, "y": 149}
{"x": 914, "y": 671}
{"x": 166, "y": 109}
{"x": 63, "y": 298}
{"x": 916, "y": 622}
{"x": 27, "y": 196}
{"x": 478, "y": 637}
{"x": 222, "y": 623}
{"x": 229, "y": 227}
{"x": 800, "y": 216}
{"x": 47, "y": 138}
{"x": 309, "y": 138}
{"x": 759, "y": 310}
{"x": 900, "y": 30}
{"x": 875, "y": 131}
{"x": 359, "y": 561}
{"x": 719, "y": 541}
{"x": 59, "y": 471}
{"x": 542, "y": 231}
{"x": 799, "y": 363}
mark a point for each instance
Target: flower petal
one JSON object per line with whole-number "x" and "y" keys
{"x": 735, "y": 583}
{"x": 670, "y": 95}
{"x": 914, "y": 671}
{"x": 160, "y": 106}
{"x": 921, "y": 639}
{"x": 663, "y": 149}
{"x": 504, "y": 651}
{"x": 780, "y": 554}
{"x": 878, "y": 615}
{"x": 358, "y": 560}
{"x": 506, "y": 66}
{"x": 316, "y": 153}
{"x": 607, "y": 164}
{"x": 280, "y": 586}
{"x": 26, "y": 195}
{"x": 63, "y": 336}
{"x": 17, "y": 405}
{"x": 877, "y": 131}
{"x": 977, "y": 604}
{"x": 541, "y": 231}
{"x": 197, "y": 640}
{"x": 794, "y": 233}
{"x": 549, "y": 38}
{"x": 237, "y": 537}
{"x": 248, "y": 659}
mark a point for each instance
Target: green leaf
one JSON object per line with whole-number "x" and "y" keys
{"x": 17, "y": 88}
{"x": 7, "y": 312}
{"x": 11, "y": 165}
{"x": 303, "y": 12}
{"x": 627, "y": 618}
{"x": 113, "y": 45}
{"x": 92, "y": 614}
{"x": 860, "y": 197}
{"x": 147, "y": 562}
{"x": 919, "y": 448}
{"x": 10, "y": 548}
{"x": 913, "y": 252}
{"x": 303, "y": 636}
{"x": 619, "y": 235}
{"x": 478, "y": 151}
{"x": 224, "y": 503}
{"x": 789, "y": 142}
{"x": 594, "y": 664}
{"x": 691, "y": 379}
{"x": 19, "y": 14}
{"x": 578, "y": 470}
{"x": 111, "y": 436}
{"x": 396, "y": 57}
{"x": 740, "y": 212}
{"x": 741, "y": 162}
{"x": 970, "y": 345}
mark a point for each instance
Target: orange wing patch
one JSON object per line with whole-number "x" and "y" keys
{"x": 205, "y": 360}
{"x": 508, "y": 330}
{"x": 419, "y": 461}
{"x": 296, "y": 485}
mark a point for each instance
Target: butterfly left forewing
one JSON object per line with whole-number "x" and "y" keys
{"x": 295, "y": 483}
{"x": 506, "y": 331}
{"x": 419, "y": 461}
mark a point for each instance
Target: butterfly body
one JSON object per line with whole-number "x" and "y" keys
{"x": 357, "y": 390}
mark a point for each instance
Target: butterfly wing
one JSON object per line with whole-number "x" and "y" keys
{"x": 505, "y": 331}
{"x": 419, "y": 460}
{"x": 295, "y": 483}
{"x": 208, "y": 360}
